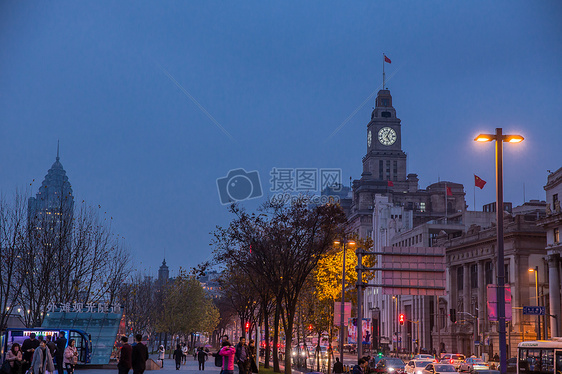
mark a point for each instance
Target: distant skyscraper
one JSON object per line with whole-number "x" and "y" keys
{"x": 163, "y": 274}
{"x": 52, "y": 207}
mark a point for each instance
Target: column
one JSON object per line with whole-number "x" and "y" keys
{"x": 481, "y": 312}
{"x": 465, "y": 290}
{"x": 554, "y": 293}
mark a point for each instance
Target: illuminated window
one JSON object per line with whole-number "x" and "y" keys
{"x": 422, "y": 207}
{"x": 556, "y": 235}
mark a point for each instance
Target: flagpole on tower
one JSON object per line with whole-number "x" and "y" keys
{"x": 383, "y": 76}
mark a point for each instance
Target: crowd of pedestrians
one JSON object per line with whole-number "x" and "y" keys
{"x": 35, "y": 356}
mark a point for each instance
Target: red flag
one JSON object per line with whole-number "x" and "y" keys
{"x": 449, "y": 192}
{"x": 390, "y": 184}
{"x": 386, "y": 59}
{"x": 479, "y": 182}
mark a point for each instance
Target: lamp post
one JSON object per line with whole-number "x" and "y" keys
{"x": 499, "y": 138}
{"x": 342, "y": 306}
{"x": 536, "y": 271}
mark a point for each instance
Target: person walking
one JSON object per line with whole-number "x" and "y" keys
{"x": 252, "y": 352}
{"x": 161, "y": 355}
{"x": 70, "y": 356}
{"x": 126, "y": 358}
{"x": 42, "y": 360}
{"x": 178, "y": 353}
{"x": 338, "y": 366}
{"x": 185, "y": 351}
{"x": 59, "y": 352}
{"x": 27, "y": 349}
{"x": 227, "y": 352}
{"x": 139, "y": 356}
{"x": 360, "y": 367}
{"x": 14, "y": 357}
{"x": 242, "y": 356}
{"x": 51, "y": 345}
{"x": 201, "y": 357}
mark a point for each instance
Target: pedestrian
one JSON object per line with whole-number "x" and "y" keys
{"x": 42, "y": 360}
{"x": 161, "y": 354}
{"x": 227, "y": 352}
{"x": 201, "y": 357}
{"x": 139, "y": 356}
{"x": 178, "y": 353}
{"x": 338, "y": 366}
{"x": 252, "y": 352}
{"x": 242, "y": 356}
{"x": 126, "y": 357}
{"x": 14, "y": 357}
{"x": 70, "y": 356}
{"x": 185, "y": 351}
{"x": 360, "y": 367}
{"x": 367, "y": 369}
{"x": 51, "y": 345}
{"x": 59, "y": 352}
{"x": 27, "y": 349}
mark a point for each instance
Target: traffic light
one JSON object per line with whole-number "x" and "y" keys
{"x": 453, "y": 315}
{"x": 247, "y": 326}
{"x": 401, "y": 319}
{"x": 310, "y": 327}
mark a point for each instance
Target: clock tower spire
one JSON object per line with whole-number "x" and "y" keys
{"x": 385, "y": 160}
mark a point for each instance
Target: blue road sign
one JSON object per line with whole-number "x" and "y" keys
{"x": 534, "y": 311}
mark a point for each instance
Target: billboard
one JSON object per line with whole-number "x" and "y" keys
{"x": 366, "y": 331}
{"x": 337, "y": 312}
{"x": 413, "y": 271}
{"x": 493, "y": 302}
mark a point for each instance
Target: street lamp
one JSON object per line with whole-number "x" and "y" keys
{"x": 342, "y": 306}
{"x": 536, "y": 271}
{"x": 500, "y": 139}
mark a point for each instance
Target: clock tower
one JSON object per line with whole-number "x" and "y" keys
{"x": 385, "y": 160}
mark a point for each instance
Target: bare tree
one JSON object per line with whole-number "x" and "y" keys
{"x": 281, "y": 246}
{"x": 13, "y": 226}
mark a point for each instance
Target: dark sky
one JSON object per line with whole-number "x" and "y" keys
{"x": 153, "y": 101}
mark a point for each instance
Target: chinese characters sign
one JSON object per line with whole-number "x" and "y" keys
{"x": 83, "y": 308}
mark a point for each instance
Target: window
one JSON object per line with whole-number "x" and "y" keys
{"x": 384, "y": 102}
{"x": 474, "y": 275}
{"x": 381, "y": 166}
{"x": 554, "y": 199}
{"x": 387, "y": 170}
{"x": 422, "y": 207}
{"x": 385, "y": 114}
{"x": 556, "y": 235}
{"x": 489, "y": 272}
{"x": 506, "y": 270}
{"x": 395, "y": 171}
{"x": 460, "y": 274}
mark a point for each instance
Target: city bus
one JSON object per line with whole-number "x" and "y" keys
{"x": 18, "y": 335}
{"x": 540, "y": 357}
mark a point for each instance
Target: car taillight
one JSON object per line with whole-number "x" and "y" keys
{"x": 452, "y": 361}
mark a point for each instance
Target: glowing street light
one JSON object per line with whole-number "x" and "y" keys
{"x": 500, "y": 139}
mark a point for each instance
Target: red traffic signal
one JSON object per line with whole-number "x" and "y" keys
{"x": 310, "y": 327}
{"x": 401, "y": 319}
{"x": 247, "y": 326}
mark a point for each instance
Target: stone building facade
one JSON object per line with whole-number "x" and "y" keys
{"x": 552, "y": 223}
{"x": 472, "y": 267}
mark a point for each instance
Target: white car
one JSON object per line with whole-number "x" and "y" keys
{"x": 424, "y": 357}
{"x": 438, "y": 368}
{"x": 417, "y": 366}
{"x": 454, "y": 359}
{"x": 473, "y": 363}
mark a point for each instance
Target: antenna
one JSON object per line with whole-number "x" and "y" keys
{"x": 58, "y": 143}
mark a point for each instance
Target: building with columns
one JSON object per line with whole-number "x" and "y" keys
{"x": 471, "y": 268}
{"x": 552, "y": 223}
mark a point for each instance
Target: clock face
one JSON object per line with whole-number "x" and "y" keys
{"x": 369, "y": 138}
{"x": 387, "y": 136}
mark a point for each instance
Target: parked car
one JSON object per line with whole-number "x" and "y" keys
{"x": 454, "y": 359}
{"x": 438, "y": 368}
{"x": 391, "y": 366}
{"x": 417, "y": 366}
{"x": 473, "y": 363}
{"x": 375, "y": 360}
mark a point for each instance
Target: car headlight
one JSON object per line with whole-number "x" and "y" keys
{"x": 419, "y": 372}
{"x": 390, "y": 370}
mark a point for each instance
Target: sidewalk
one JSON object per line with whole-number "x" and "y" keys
{"x": 191, "y": 367}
